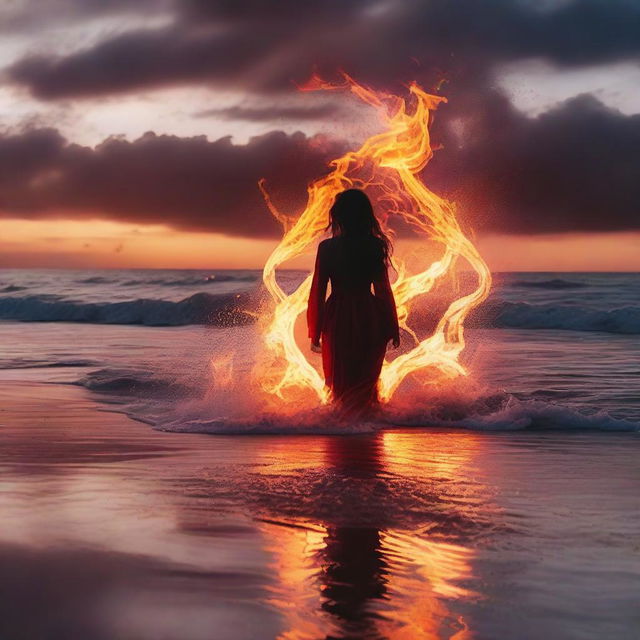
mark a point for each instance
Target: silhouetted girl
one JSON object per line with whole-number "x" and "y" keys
{"x": 353, "y": 324}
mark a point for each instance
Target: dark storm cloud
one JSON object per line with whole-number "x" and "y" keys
{"x": 266, "y": 11}
{"x": 574, "y": 168}
{"x": 188, "y": 183}
{"x": 24, "y": 16}
{"x": 271, "y": 113}
{"x": 139, "y": 59}
{"x": 571, "y": 169}
{"x": 263, "y": 45}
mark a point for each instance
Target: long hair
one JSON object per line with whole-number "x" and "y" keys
{"x": 352, "y": 216}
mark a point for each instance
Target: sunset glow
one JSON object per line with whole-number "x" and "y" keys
{"x": 105, "y": 244}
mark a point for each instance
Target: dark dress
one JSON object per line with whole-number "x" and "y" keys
{"x": 355, "y": 324}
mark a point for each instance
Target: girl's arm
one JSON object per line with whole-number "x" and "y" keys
{"x": 317, "y": 295}
{"x": 382, "y": 290}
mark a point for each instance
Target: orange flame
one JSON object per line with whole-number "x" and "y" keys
{"x": 389, "y": 162}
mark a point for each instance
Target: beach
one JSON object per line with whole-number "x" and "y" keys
{"x": 137, "y": 504}
{"x": 113, "y": 530}
{"x": 320, "y": 320}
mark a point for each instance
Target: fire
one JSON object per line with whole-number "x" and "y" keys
{"x": 388, "y": 162}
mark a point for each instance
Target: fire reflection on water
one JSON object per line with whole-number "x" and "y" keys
{"x": 357, "y": 570}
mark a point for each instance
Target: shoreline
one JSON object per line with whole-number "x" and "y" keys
{"x": 125, "y": 531}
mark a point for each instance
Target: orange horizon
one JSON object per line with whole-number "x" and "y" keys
{"x": 103, "y": 244}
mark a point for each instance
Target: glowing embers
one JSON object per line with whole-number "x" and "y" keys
{"x": 387, "y": 164}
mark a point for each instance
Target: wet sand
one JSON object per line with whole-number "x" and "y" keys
{"x": 113, "y": 530}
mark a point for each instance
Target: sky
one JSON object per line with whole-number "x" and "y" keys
{"x": 133, "y": 133}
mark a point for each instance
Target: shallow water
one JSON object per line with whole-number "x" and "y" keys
{"x": 503, "y": 506}
{"x": 113, "y": 530}
{"x": 519, "y": 379}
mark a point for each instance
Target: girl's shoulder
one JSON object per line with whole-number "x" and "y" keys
{"x": 368, "y": 243}
{"x": 329, "y": 244}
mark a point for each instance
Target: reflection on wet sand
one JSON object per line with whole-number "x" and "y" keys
{"x": 111, "y": 530}
{"x": 360, "y": 573}
{"x": 301, "y": 537}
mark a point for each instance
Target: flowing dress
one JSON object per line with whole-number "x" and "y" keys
{"x": 355, "y": 324}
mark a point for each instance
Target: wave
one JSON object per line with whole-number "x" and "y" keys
{"x": 190, "y": 281}
{"x": 556, "y": 283}
{"x": 21, "y": 363}
{"x": 187, "y": 281}
{"x": 131, "y": 382}
{"x": 200, "y": 308}
{"x": 12, "y": 288}
{"x": 171, "y": 405}
{"x": 507, "y": 412}
{"x": 232, "y": 309}
{"x": 97, "y": 280}
{"x": 520, "y": 315}
{"x": 311, "y": 423}
{"x": 510, "y": 415}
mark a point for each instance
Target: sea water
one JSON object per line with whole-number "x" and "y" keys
{"x": 546, "y": 350}
{"x": 504, "y": 505}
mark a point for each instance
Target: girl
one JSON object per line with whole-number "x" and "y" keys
{"x": 354, "y": 324}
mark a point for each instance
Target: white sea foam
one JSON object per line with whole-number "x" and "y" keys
{"x": 510, "y": 415}
{"x": 515, "y": 416}
{"x": 172, "y": 406}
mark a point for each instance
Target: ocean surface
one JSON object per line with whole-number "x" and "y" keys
{"x": 503, "y": 505}
{"x": 546, "y": 351}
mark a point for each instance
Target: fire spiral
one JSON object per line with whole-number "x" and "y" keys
{"x": 388, "y": 162}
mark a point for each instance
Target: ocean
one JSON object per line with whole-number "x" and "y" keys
{"x": 546, "y": 351}
{"x": 503, "y": 505}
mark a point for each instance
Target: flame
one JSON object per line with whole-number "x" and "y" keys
{"x": 388, "y": 162}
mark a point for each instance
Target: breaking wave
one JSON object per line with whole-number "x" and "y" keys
{"x": 229, "y": 309}
{"x": 512, "y": 415}
{"x": 134, "y": 383}
{"x": 520, "y": 315}
{"x": 506, "y": 412}
{"x": 171, "y": 405}
{"x": 200, "y": 308}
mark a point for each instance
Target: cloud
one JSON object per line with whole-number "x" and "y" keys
{"x": 573, "y": 168}
{"x": 272, "y": 112}
{"x": 138, "y": 59}
{"x": 26, "y": 16}
{"x": 264, "y": 46}
{"x": 187, "y": 183}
